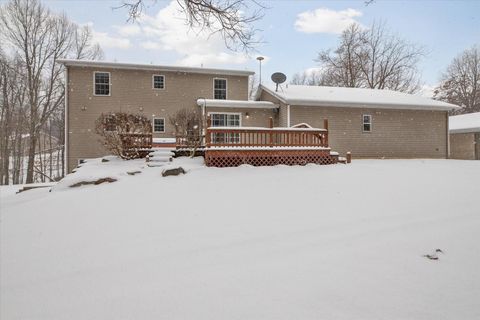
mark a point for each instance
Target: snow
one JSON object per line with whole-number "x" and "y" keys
{"x": 236, "y": 104}
{"x": 151, "y": 67}
{"x": 354, "y": 97}
{"x": 465, "y": 123}
{"x": 312, "y": 242}
{"x": 163, "y": 140}
{"x": 267, "y": 129}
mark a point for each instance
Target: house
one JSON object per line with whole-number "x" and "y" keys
{"x": 370, "y": 123}
{"x": 465, "y": 136}
{"x": 96, "y": 87}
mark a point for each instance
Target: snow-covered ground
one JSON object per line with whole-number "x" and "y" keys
{"x": 313, "y": 242}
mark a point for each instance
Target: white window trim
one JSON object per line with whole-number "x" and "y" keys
{"x": 109, "y": 84}
{"x": 226, "y": 88}
{"x": 153, "y": 81}
{"x": 236, "y": 113}
{"x": 153, "y": 125}
{"x": 364, "y": 123}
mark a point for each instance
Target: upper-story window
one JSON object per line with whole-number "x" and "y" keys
{"x": 158, "y": 81}
{"x": 367, "y": 123}
{"x": 102, "y": 83}
{"x": 220, "y": 89}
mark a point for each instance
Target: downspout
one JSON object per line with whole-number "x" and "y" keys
{"x": 204, "y": 108}
{"x": 288, "y": 115}
{"x": 65, "y": 164}
{"x": 448, "y": 135}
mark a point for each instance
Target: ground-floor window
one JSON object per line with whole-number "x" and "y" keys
{"x": 367, "y": 123}
{"x": 226, "y": 120}
{"x": 159, "y": 125}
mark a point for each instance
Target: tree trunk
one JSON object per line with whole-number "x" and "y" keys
{"x": 31, "y": 156}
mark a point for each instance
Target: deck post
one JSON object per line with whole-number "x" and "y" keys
{"x": 270, "y": 125}
{"x": 325, "y": 126}
{"x": 349, "y": 157}
{"x": 207, "y": 131}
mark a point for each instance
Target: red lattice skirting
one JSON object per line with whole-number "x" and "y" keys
{"x": 234, "y": 158}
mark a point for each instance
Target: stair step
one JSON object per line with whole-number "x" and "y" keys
{"x": 161, "y": 155}
{"x": 164, "y": 159}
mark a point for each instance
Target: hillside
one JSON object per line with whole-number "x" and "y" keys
{"x": 313, "y": 242}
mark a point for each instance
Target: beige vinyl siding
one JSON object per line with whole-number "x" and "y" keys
{"x": 131, "y": 91}
{"x": 395, "y": 133}
{"x": 462, "y": 146}
{"x": 256, "y": 118}
{"x": 281, "y": 117}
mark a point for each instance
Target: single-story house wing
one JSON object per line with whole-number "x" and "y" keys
{"x": 369, "y": 123}
{"x": 465, "y": 136}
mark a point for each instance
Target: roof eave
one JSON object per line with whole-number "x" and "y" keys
{"x": 133, "y": 66}
{"x": 273, "y": 93}
{"x": 316, "y": 103}
{"x": 247, "y": 104}
{"x": 465, "y": 130}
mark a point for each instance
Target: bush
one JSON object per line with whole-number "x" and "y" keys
{"x": 128, "y": 136}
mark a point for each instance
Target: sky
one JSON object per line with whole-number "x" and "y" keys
{"x": 292, "y": 32}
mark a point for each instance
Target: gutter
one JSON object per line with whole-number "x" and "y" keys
{"x": 134, "y": 66}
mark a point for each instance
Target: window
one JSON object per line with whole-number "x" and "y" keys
{"x": 102, "y": 83}
{"x": 159, "y": 125}
{"x": 226, "y": 120}
{"x": 220, "y": 89}
{"x": 110, "y": 123}
{"x": 367, "y": 123}
{"x": 158, "y": 81}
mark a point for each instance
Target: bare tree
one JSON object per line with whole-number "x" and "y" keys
{"x": 38, "y": 38}
{"x": 309, "y": 78}
{"x": 460, "y": 84}
{"x": 253, "y": 83}
{"x": 226, "y": 17}
{"x": 82, "y": 45}
{"x": 125, "y": 135}
{"x": 188, "y": 125}
{"x": 372, "y": 58}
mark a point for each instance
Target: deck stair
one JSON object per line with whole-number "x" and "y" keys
{"x": 160, "y": 157}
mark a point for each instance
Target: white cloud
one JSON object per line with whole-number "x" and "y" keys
{"x": 313, "y": 71}
{"x": 128, "y": 30}
{"x": 167, "y": 31}
{"x": 324, "y": 20}
{"x": 150, "y": 45}
{"x": 427, "y": 91}
{"x": 106, "y": 40}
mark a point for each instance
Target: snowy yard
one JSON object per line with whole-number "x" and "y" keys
{"x": 313, "y": 242}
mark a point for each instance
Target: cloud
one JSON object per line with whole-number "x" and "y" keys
{"x": 106, "y": 40}
{"x": 324, "y": 20}
{"x": 128, "y": 30}
{"x": 427, "y": 91}
{"x": 168, "y": 31}
{"x": 150, "y": 45}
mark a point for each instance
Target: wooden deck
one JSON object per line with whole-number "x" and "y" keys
{"x": 136, "y": 143}
{"x": 234, "y": 146}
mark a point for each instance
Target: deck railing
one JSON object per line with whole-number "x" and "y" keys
{"x": 136, "y": 140}
{"x": 266, "y": 137}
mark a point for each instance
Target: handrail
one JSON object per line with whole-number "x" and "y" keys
{"x": 266, "y": 137}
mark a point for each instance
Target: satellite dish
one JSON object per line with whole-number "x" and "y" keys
{"x": 278, "y": 78}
